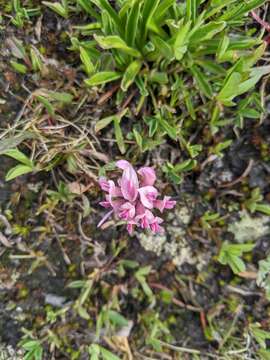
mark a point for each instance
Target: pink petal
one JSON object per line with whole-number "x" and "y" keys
{"x": 148, "y": 195}
{"x": 102, "y": 221}
{"x": 148, "y": 176}
{"x": 129, "y": 183}
{"x": 145, "y": 219}
{"x": 155, "y": 227}
{"x": 104, "y": 184}
{"x": 127, "y": 211}
{"x": 130, "y": 228}
{"x": 105, "y": 204}
{"x": 116, "y": 204}
{"x": 166, "y": 203}
{"x": 114, "y": 191}
{"x": 123, "y": 164}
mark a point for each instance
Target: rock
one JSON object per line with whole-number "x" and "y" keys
{"x": 55, "y": 300}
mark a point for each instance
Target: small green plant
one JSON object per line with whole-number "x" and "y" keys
{"x": 98, "y": 352}
{"x": 175, "y": 172}
{"x": 61, "y": 8}
{"x": 25, "y": 166}
{"x": 209, "y": 218}
{"x": 22, "y": 14}
{"x": 174, "y": 53}
{"x": 263, "y": 277}
{"x": 230, "y": 254}
{"x": 109, "y": 320}
{"x": 254, "y": 203}
{"x": 260, "y": 335}
{"x": 33, "y": 348}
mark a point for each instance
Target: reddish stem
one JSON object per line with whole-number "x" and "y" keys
{"x": 263, "y": 23}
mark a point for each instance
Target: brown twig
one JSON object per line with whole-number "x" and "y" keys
{"x": 108, "y": 94}
{"x": 128, "y": 100}
{"x": 241, "y": 178}
{"x": 174, "y": 300}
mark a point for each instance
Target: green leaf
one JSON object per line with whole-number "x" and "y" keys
{"x": 117, "y": 319}
{"x": 119, "y": 135}
{"x": 230, "y": 254}
{"x": 20, "y": 68}
{"x": 35, "y": 59}
{"x": 170, "y": 130}
{"x": 149, "y": 8}
{"x": 105, "y": 6}
{"x": 12, "y": 142}
{"x": 186, "y": 165}
{"x": 191, "y": 9}
{"x": 132, "y": 23}
{"x": 86, "y": 60}
{"x": 115, "y": 42}
{"x": 158, "y": 77}
{"x": 83, "y": 313}
{"x": 47, "y": 104}
{"x": 19, "y": 156}
{"x": 62, "y": 97}
{"x": 87, "y": 7}
{"x": 229, "y": 90}
{"x": 58, "y": 8}
{"x": 263, "y": 208}
{"x": 130, "y": 74}
{"x": 102, "y": 77}
{"x": 18, "y": 171}
{"x": 101, "y": 124}
{"x": 260, "y": 335}
{"x": 96, "y": 350}
{"x": 241, "y": 9}
{"x": 207, "y": 31}
{"x": 263, "y": 277}
{"x": 138, "y": 138}
{"x": 203, "y": 84}
{"x": 163, "y": 48}
{"x": 180, "y": 44}
{"x": 161, "y": 10}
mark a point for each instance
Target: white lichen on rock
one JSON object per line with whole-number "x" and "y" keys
{"x": 153, "y": 243}
{"x": 7, "y": 352}
{"x": 173, "y": 243}
{"x": 249, "y": 228}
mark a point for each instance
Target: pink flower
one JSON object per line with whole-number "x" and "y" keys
{"x": 134, "y": 197}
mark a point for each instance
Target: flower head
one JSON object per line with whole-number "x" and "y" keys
{"x": 134, "y": 198}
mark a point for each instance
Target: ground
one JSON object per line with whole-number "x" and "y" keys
{"x": 67, "y": 288}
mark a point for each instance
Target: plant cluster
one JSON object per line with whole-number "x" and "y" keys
{"x": 176, "y": 56}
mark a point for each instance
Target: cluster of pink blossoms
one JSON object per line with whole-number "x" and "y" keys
{"x": 134, "y": 198}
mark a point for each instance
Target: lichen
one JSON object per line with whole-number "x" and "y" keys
{"x": 249, "y": 228}
{"x": 7, "y": 352}
{"x": 173, "y": 244}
